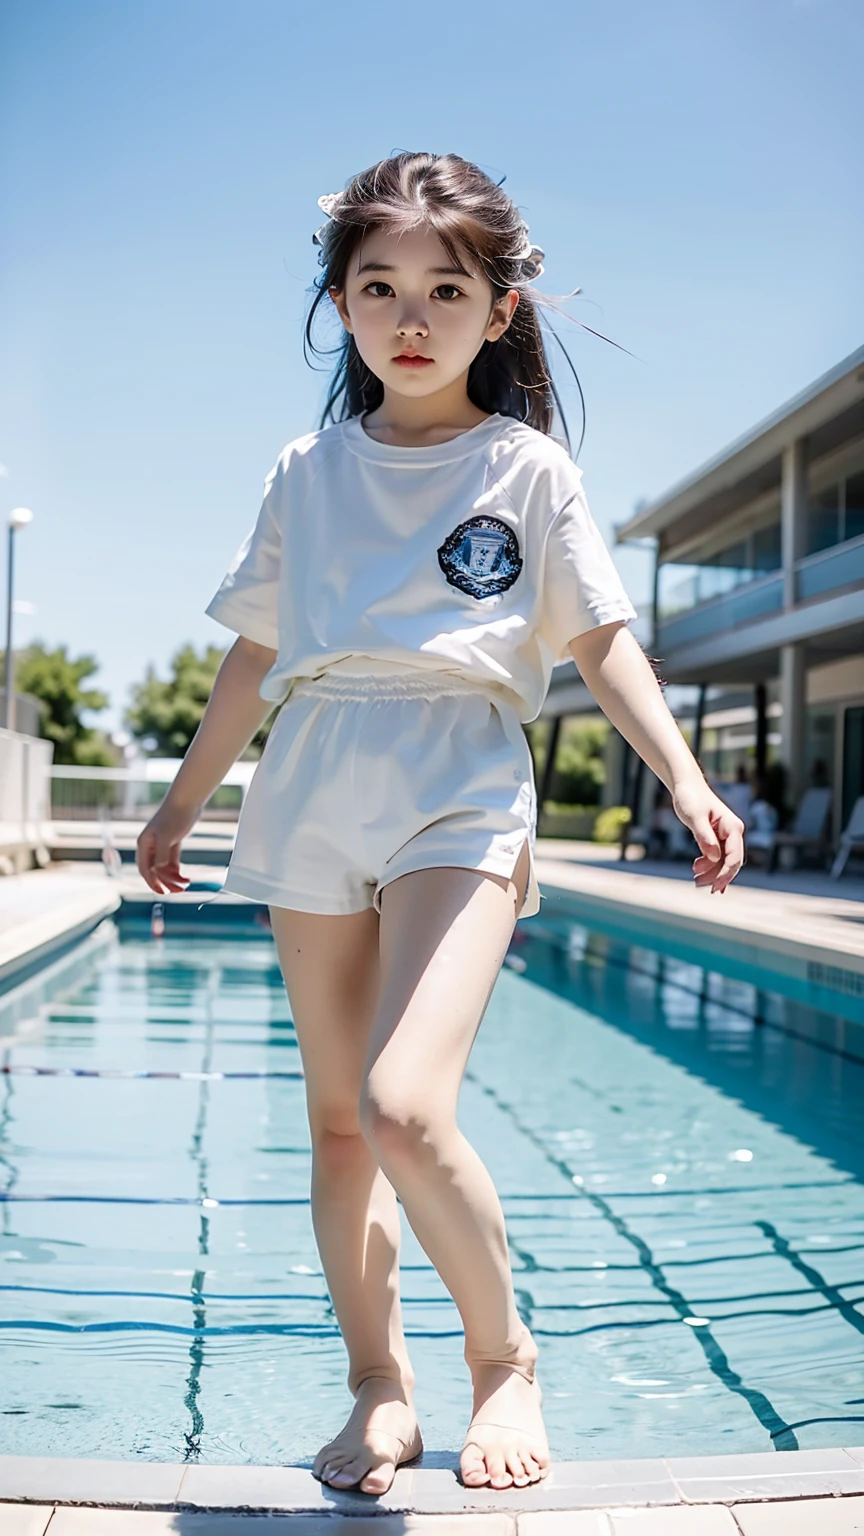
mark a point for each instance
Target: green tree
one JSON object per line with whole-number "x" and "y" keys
{"x": 169, "y": 712}
{"x": 55, "y": 678}
{"x": 580, "y": 771}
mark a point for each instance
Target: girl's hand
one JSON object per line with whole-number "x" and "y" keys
{"x": 158, "y": 848}
{"x": 717, "y": 830}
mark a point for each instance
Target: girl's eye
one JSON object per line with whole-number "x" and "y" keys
{"x": 379, "y": 283}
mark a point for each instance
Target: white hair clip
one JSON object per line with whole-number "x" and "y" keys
{"x": 531, "y": 258}
{"x": 327, "y": 202}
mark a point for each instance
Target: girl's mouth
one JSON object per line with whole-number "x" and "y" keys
{"x": 414, "y": 362}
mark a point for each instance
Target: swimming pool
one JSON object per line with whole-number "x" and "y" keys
{"x": 679, "y": 1156}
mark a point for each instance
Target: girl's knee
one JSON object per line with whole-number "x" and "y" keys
{"x": 337, "y": 1140}
{"x": 337, "y": 1153}
{"x": 398, "y": 1126}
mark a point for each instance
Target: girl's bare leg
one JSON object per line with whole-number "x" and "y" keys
{"x": 331, "y": 971}
{"x": 444, "y": 934}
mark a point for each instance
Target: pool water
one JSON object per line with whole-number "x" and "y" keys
{"x": 679, "y": 1157}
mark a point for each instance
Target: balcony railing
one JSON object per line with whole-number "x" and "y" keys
{"x": 834, "y": 567}
{"x": 831, "y": 569}
{"x": 742, "y": 606}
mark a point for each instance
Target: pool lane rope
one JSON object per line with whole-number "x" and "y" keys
{"x": 197, "y": 1077}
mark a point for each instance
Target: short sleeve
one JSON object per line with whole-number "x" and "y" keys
{"x": 581, "y": 585}
{"x": 248, "y": 599}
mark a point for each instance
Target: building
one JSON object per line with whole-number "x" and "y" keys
{"x": 759, "y": 593}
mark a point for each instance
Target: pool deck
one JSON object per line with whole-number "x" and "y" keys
{"x": 46, "y": 910}
{"x": 817, "y": 1492}
{"x": 774, "y": 1494}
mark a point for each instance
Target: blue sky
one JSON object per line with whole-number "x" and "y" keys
{"x": 696, "y": 169}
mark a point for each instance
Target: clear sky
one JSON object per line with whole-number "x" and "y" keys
{"x": 695, "y": 168}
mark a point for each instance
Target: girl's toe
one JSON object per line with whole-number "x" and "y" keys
{"x": 517, "y": 1470}
{"x": 345, "y": 1474}
{"x": 379, "y": 1479}
{"x": 498, "y": 1473}
{"x": 473, "y": 1466}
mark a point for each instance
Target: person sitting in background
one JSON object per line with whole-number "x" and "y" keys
{"x": 739, "y": 793}
{"x": 760, "y": 823}
{"x": 667, "y": 838}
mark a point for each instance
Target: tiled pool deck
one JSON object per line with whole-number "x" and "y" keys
{"x": 780, "y": 1493}
{"x": 794, "y": 919}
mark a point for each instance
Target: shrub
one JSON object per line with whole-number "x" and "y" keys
{"x": 611, "y": 822}
{"x": 580, "y": 771}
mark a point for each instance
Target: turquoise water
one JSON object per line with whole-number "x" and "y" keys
{"x": 679, "y": 1157}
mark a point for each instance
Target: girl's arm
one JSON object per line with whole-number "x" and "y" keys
{"x": 618, "y": 673}
{"x": 235, "y": 711}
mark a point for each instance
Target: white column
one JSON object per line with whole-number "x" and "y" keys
{"x": 793, "y": 674}
{"x": 793, "y": 514}
{"x": 793, "y": 701}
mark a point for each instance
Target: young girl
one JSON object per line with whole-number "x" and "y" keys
{"x": 416, "y": 569}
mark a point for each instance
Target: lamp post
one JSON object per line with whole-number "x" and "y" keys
{"x": 19, "y": 517}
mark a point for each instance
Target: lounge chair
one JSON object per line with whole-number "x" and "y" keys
{"x": 809, "y": 829}
{"x": 852, "y": 838}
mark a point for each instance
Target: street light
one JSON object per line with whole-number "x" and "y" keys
{"x": 19, "y": 517}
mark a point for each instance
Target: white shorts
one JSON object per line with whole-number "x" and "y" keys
{"x": 375, "y": 771}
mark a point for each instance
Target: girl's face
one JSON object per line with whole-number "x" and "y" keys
{"x": 403, "y": 295}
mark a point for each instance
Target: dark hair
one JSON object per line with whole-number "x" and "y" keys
{"x": 465, "y": 208}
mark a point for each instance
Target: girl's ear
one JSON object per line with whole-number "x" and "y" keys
{"x": 503, "y": 311}
{"x": 338, "y": 297}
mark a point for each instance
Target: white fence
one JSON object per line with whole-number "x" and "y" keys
{"x": 25, "y": 799}
{"x": 133, "y": 793}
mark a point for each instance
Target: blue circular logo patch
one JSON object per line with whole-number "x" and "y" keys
{"x": 481, "y": 557}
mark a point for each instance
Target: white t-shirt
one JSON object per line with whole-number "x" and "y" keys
{"x": 477, "y": 556}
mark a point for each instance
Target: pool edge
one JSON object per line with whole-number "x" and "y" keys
{"x": 772, "y": 950}
{"x": 725, "y": 1480}
{"x": 31, "y": 945}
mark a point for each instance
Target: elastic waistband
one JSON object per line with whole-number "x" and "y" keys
{"x": 357, "y": 688}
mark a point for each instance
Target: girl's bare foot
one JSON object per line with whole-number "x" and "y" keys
{"x": 505, "y": 1445}
{"x": 381, "y": 1432}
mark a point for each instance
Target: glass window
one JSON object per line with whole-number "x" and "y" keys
{"x": 854, "y": 520}
{"x": 684, "y": 586}
{"x": 819, "y": 725}
{"x": 677, "y": 588}
{"x": 766, "y": 549}
{"x": 724, "y": 571}
{"x": 823, "y": 519}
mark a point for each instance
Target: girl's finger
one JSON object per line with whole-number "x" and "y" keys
{"x": 169, "y": 874}
{"x": 144, "y": 859}
{"x": 727, "y": 871}
{"x": 707, "y": 838}
{"x": 731, "y": 831}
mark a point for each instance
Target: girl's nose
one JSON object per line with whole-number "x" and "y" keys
{"x": 413, "y": 325}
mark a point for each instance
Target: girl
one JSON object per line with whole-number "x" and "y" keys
{"x": 416, "y": 569}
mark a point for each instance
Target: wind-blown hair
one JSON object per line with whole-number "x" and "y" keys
{"x": 468, "y": 211}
